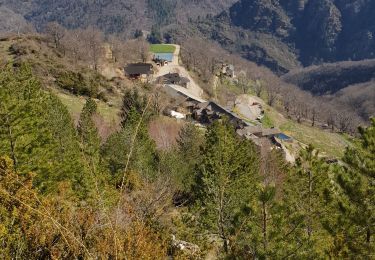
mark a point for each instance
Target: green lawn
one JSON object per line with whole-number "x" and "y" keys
{"x": 162, "y": 48}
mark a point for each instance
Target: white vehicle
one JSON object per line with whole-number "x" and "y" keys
{"x": 178, "y": 115}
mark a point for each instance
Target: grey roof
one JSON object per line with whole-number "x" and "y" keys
{"x": 271, "y": 132}
{"x": 221, "y": 110}
{"x": 259, "y": 131}
{"x": 184, "y": 92}
{"x": 174, "y": 78}
{"x": 254, "y": 129}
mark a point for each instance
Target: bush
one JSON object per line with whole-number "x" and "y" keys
{"x": 80, "y": 84}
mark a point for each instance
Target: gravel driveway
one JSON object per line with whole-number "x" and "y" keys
{"x": 175, "y": 67}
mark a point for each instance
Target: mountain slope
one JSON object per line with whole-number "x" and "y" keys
{"x": 278, "y": 34}
{"x": 350, "y": 83}
{"x": 117, "y": 16}
{"x": 314, "y": 31}
{"x": 12, "y": 22}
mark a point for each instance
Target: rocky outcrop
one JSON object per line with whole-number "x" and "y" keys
{"x": 261, "y": 16}
{"x": 318, "y": 31}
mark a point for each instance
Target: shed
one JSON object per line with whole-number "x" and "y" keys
{"x": 175, "y": 79}
{"x": 139, "y": 70}
{"x": 208, "y": 112}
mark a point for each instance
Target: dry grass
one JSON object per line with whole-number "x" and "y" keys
{"x": 76, "y": 103}
{"x": 164, "y": 131}
{"x": 330, "y": 144}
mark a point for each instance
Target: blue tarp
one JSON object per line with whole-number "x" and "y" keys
{"x": 164, "y": 56}
{"x": 284, "y": 137}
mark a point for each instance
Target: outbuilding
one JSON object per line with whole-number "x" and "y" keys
{"x": 142, "y": 71}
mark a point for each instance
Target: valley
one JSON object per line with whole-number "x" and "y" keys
{"x": 173, "y": 129}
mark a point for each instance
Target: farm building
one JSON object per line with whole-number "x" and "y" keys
{"x": 142, "y": 71}
{"x": 208, "y": 112}
{"x": 160, "y": 62}
{"x": 260, "y": 135}
{"x": 176, "y": 91}
{"x": 175, "y": 79}
{"x": 259, "y": 131}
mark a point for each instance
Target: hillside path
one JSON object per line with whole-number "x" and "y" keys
{"x": 175, "y": 67}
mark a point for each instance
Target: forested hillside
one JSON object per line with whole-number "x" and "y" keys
{"x": 304, "y": 31}
{"x": 310, "y": 32}
{"x": 67, "y": 193}
{"x": 231, "y": 150}
{"x": 350, "y": 83}
{"x": 114, "y": 16}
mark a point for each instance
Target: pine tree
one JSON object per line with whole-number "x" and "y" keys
{"x": 88, "y": 135}
{"x": 133, "y": 101}
{"x": 66, "y": 153}
{"x": 36, "y": 130}
{"x": 309, "y": 205}
{"x": 267, "y": 233}
{"x": 358, "y": 183}
{"x": 189, "y": 142}
{"x": 23, "y": 129}
{"x": 226, "y": 181}
{"x": 133, "y": 137}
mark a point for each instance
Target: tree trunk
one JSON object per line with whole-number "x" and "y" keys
{"x": 265, "y": 242}
{"x": 313, "y": 119}
{"x": 309, "y": 224}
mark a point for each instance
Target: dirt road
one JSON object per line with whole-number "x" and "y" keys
{"x": 174, "y": 67}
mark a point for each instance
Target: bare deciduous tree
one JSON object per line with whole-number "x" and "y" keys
{"x": 56, "y": 32}
{"x": 272, "y": 93}
{"x": 243, "y": 82}
{"x": 94, "y": 40}
{"x": 74, "y": 46}
{"x": 344, "y": 121}
{"x": 143, "y": 49}
{"x": 258, "y": 87}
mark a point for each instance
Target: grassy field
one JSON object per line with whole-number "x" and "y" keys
{"x": 328, "y": 143}
{"x": 162, "y": 48}
{"x": 75, "y": 105}
{"x": 4, "y": 51}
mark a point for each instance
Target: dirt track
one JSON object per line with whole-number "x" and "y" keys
{"x": 175, "y": 67}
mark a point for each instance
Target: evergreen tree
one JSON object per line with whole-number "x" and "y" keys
{"x": 155, "y": 36}
{"x": 88, "y": 135}
{"x": 267, "y": 233}
{"x": 189, "y": 142}
{"x": 309, "y": 205}
{"x": 66, "y": 151}
{"x": 36, "y": 130}
{"x": 226, "y": 181}
{"x": 23, "y": 131}
{"x": 358, "y": 183}
{"x": 133, "y": 101}
{"x": 134, "y": 138}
